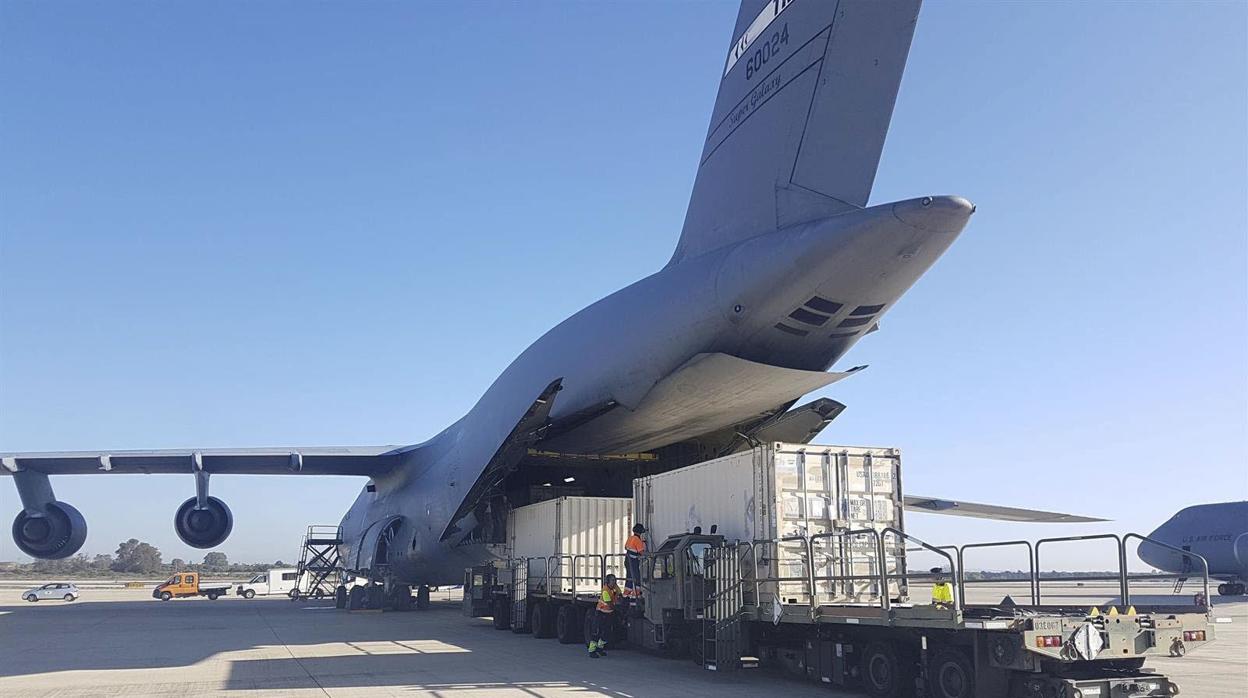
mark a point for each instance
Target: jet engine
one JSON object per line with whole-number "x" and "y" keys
{"x": 56, "y": 533}
{"x": 203, "y": 526}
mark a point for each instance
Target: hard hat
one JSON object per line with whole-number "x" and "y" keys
{"x": 639, "y": 529}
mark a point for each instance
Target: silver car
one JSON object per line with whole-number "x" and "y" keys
{"x": 55, "y": 590}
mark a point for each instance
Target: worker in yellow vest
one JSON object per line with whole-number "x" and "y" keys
{"x": 604, "y": 617}
{"x": 634, "y": 547}
{"x": 942, "y": 590}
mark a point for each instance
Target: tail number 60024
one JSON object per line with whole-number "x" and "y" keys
{"x": 766, "y": 51}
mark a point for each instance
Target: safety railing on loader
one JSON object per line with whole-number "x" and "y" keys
{"x": 838, "y": 586}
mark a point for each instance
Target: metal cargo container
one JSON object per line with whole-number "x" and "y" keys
{"x": 575, "y": 536}
{"x": 780, "y": 490}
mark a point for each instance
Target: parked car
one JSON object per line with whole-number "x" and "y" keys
{"x": 56, "y": 590}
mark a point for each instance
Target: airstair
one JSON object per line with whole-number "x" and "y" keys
{"x": 320, "y": 567}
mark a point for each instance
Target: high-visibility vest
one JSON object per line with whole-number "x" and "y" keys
{"x": 634, "y": 546}
{"x": 942, "y": 593}
{"x": 606, "y": 600}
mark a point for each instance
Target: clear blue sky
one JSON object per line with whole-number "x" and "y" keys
{"x": 248, "y": 224}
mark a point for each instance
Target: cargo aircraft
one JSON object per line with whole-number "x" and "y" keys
{"x": 781, "y": 267}
{"x": 1216, "y": 532}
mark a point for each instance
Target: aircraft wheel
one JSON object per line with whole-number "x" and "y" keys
{"x": 883, "y": 673}
{"x": 165, "y": 596}
{"x": 568, "y": 625}
{"x": 340, "y": 596}
{"x": 355, "y": 598}
{"x": 402, "y": 598}
{"x": 951, "y": 674}
{"x": 502, "y": 614}
{"x": 249, "y": 594}
{"x": 1224, "y": 590}
{"x": 422, "y": 597}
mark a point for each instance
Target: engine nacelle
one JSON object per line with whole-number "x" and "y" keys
{"x": 203, "y": 527}
{"x": 56, "y": 533}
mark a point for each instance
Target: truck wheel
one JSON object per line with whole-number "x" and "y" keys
{"x": 502, "y": 614}
{"x": 568, "y": 625}
{"x": 249, "y": 594}
{"x": 355, "y": 598}
{"x": 340, "y": 597}
{"x": 951, "y": 674}
{"x": 883, "y": 673}
{"x": 165, "y": 596}
{"x": 212, "y": 596}
{"x": 542, "y": 620}
{"x": 294, "y": 594}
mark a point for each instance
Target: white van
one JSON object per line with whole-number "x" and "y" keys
{"x": 279, "y": 580}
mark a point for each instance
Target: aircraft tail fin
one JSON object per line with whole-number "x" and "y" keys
{"x": 804, "y": 104}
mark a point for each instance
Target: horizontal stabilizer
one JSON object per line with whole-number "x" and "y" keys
{"x": 705, "y": 394}
{"x": 317, "y": 460}
{"x": 950, "y": 507}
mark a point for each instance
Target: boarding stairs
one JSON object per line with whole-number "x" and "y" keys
{"x": 320, "y": 566}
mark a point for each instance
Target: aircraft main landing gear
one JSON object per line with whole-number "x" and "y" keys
{"x": 422, "y": 597}
{"x": 1231, "y": 589}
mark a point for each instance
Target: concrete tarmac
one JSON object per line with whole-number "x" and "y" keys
{"x": 117, "y": 642}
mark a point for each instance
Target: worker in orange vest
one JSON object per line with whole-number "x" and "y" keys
{"x": 634, "y": 547}
{"x": 604, "y": 617}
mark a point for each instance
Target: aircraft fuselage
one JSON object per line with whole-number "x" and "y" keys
{"x": 730, "y": 300}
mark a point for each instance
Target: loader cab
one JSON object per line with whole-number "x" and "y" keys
{"x": 675, "y": 576}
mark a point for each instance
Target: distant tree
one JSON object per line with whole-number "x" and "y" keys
{"x": 216, "y": 561}
{"x": 102, "y": 563}
{"x": 279, "y": 563}
{"x": 177, "y": 564}
{"x": 136, "y": 556}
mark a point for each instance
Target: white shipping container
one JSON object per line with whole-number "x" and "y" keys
{"x": 573, "y": 527}
{"x": 778, "y": 490}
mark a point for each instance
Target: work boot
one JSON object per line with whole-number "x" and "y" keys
{"x": 594, "y": 655}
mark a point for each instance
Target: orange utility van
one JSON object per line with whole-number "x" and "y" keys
{"x": 184, "y": 584}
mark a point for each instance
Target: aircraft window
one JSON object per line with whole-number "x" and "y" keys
{"x": 842, "y": 335}
{"x": 791, "y": 330}
{"x": 803, "y": 315}
{"x": 867, "y": 309}
{"x": 854, "y": 321}
{"x": 824, "y": 305}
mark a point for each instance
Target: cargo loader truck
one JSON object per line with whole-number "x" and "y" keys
{"x": 793, "y": 557}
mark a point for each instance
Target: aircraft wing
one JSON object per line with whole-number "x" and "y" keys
{"x": 951, "y": 507}
{"x": 320, "y": 460}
